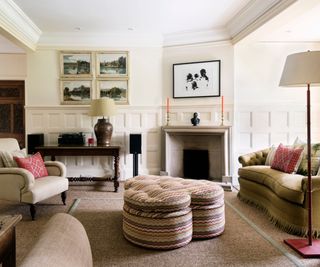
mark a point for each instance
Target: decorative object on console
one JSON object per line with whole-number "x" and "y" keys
{"x": 71, "y": 139}
{"x": 196, "y": 79}
{"x": 303, "y": 69}
{"x": 104, "y": 107}
{"x": 195, "y": 120}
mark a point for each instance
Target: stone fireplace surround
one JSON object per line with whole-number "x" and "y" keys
{"x": 215, "y": 139}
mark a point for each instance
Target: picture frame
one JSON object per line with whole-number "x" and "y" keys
{"x": 76, "y": 92}
{"x": 112, "y": 64}
{"x": 196, "y": 79}
{"x": 76, "y": 64}
{"x": 118, "y": 90}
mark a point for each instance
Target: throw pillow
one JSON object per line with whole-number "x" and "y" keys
{"x": 315, "y": 157}
{"x": 286, "y": 158}
{"x": 34, "y": 164}
{"x": 270, "y": 155}
{"x": 7, "y": 157}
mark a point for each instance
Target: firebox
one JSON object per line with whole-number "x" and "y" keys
{"x": 196, "y": 164}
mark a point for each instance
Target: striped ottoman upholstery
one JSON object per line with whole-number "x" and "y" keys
{"x": 163, "y": 212}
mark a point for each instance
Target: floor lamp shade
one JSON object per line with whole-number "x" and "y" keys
{"x": 303, "y": 69}
{"x": 103, "y": 129}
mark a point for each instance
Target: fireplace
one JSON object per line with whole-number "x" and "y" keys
{"x": 213, "y": 139}
{"x": 196, "y": 163}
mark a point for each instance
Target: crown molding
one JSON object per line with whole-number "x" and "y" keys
{"x": 16, "y": 23}
{"x": 82, "y": 40}
{"x": 253, "y": 15}
{"x": 195, "y": 37}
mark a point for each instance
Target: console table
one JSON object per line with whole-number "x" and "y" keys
{"x": 113, "y": 151}
{"x": 8, "y": 239}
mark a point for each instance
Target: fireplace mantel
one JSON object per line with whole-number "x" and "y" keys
{"x": 216, "y": 139}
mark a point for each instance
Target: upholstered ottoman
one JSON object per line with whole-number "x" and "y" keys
{"x": 164, "y": 212}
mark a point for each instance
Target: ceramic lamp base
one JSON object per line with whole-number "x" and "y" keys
{"x": 103, "y": 131}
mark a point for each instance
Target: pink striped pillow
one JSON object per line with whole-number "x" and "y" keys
{"x": 33, "y": 164}
{"x": 286, "y": 158}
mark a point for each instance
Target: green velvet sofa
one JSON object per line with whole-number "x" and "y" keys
{"x": 281, "y": 195}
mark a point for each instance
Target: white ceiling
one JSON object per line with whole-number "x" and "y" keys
{"x": 120, "y": 16}
{"x": 162, "y": 22}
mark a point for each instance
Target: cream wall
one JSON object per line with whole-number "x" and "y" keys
{"x": 145, "y": 64}
{"x": 13, "y": 66}
{"x": 193, "y": 53}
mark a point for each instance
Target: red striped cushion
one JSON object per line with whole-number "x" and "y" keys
{"x": 34, "y": 164}
{"x": 286, "y": 158}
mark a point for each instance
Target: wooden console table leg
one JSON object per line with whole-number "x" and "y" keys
{"x": 116, "y": 173}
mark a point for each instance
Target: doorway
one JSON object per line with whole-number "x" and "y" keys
{"x": 12, "y": 119}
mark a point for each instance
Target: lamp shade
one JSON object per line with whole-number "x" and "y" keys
{"x": 301, "y": 69}
{"x": 102, "y": 107}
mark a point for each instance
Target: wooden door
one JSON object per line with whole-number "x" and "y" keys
{"x": 12, "y": 101}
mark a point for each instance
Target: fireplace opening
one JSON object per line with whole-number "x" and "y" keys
{"x": 196, "y": 164}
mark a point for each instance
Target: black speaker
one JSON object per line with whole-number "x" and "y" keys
{"x": 135, "y": 143}
{"x": 35, "y": 140}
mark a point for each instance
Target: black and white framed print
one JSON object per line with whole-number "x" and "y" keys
{"x": 196, "y": 79}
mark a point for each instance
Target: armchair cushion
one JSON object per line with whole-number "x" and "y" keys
{"x": 7, "y": 157}
{"x": 34, "y": 164}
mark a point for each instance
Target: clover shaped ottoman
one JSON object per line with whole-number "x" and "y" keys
{"x": 163, "y": 212}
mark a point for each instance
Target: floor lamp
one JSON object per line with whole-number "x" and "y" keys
{"x": 303, "y": 69}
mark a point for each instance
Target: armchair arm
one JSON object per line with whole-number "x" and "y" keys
{"x": 14, "y": 181}
{"x": 56, "y": 168}
{"x": 254, "y": 158}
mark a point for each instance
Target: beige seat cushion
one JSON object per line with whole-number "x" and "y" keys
{"x": 44, "y": 187}
{"x": 284, "y": 185}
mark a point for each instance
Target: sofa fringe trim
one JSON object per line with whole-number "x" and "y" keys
{"x": 281, "y": 224}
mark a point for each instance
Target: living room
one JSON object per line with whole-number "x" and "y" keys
{"x": 251, "y": 42}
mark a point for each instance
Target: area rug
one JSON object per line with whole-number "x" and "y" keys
{"x": 250, "y": 239}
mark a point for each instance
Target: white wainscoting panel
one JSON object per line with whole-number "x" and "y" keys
{"x": 53, "y": 120}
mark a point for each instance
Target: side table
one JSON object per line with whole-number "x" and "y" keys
{"x": 8, "y": 239}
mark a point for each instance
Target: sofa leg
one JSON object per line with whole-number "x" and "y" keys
{"x": 64, "y": 197}
{"x": 33, "y": 211}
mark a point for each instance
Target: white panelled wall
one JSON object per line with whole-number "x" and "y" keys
{"x": 147, "y": 121}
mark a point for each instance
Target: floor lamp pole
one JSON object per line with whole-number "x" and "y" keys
{"x": 309, "y": 168}
{"x": 308, "y": 248}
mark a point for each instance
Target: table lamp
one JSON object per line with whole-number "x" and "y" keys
{"x": 303, "y": 69}
{"x": 103, "y": 129}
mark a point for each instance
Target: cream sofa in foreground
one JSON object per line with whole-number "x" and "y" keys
{"x": 63, "y": 242}
{"x": 281, "y": 195}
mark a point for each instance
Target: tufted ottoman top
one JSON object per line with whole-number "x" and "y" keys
{"x": 152, "y": 193}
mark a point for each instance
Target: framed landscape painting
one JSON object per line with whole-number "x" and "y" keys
{"x": 112, "y": 64}
{"x": 196, "y": 79}
{"x": 76, "y": 64}
{"x": 115, "y": 89}
{"x": 76, "y": 92}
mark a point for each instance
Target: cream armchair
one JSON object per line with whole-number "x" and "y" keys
{"x": 18, "y": 184}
